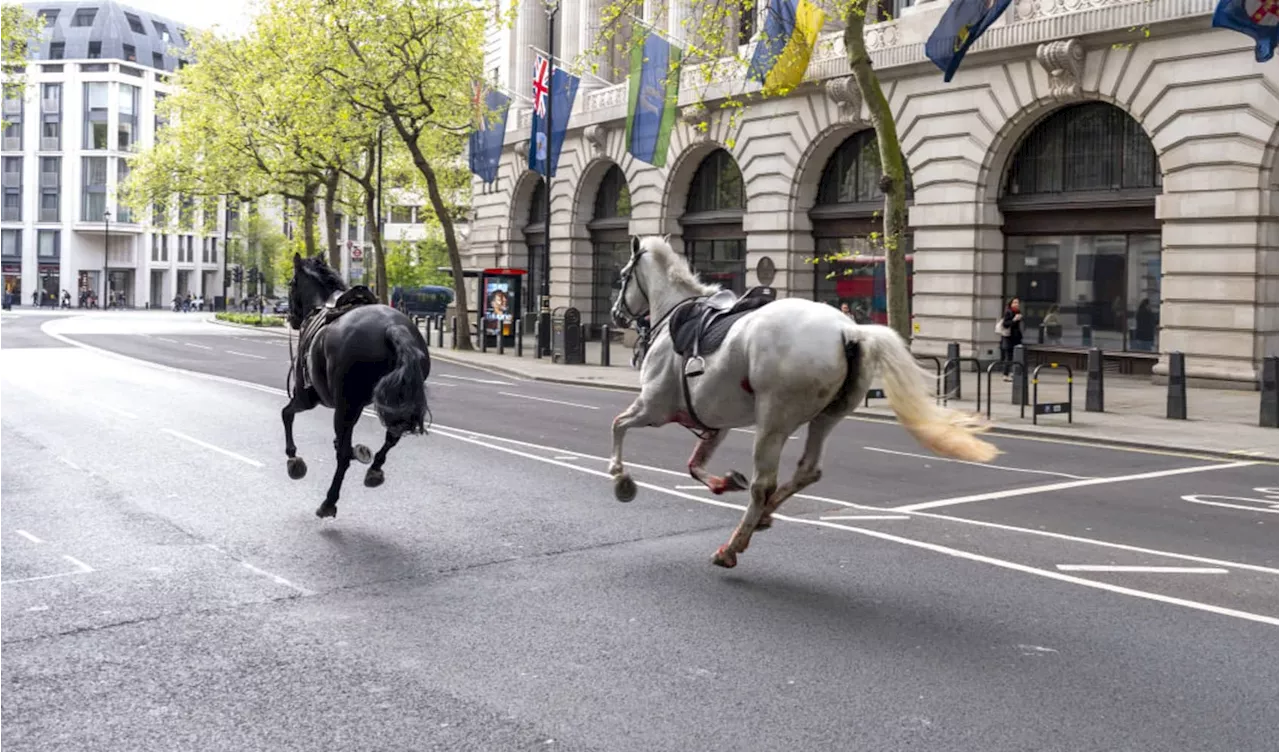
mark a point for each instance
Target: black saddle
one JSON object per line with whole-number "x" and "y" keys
{"x": 698, "y": 327}
{"x": 333, "y": 309}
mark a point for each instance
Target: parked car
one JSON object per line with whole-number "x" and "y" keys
{"x": 429, "y": 300}
{"x": 281, "y": 307}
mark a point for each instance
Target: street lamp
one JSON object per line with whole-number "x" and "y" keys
{"x": 226, "y": 249}
{"x": 544, "y": 309}
{"x": 106, "y": 255}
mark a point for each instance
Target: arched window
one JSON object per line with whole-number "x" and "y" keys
{"x": 1082, "y": 242}
{"x": 610, "y": 246}
{"x": 714, "y": 240}
{"x": 849, "y": 214}
{"x": 535, "y": 239}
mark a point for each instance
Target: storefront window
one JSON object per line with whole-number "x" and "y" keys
{"x": 1087, "y": 290}
{"x": 610, "y": 246}
{"x": 850, "y": 272}
{"x": 720, "y": 262}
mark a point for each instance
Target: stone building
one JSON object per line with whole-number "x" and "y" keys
{"x": 1111, "y": 162}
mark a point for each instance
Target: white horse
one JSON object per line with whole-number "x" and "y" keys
{"x": 786, "y": 364}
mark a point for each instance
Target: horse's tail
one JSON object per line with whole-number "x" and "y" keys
{"x": 947, "y": 432}
{"x": 400, "y": 397}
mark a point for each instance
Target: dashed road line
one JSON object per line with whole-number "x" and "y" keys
{"x": 213, "y": 448}
{"x": 868, "y": 517}
{"x": 935, "y": 458}
{"x": 166, "y": 339}
{"x": 69, "y": 463}
{"x": 202, "y": 347}
{"x": 478, "y": 381}
{"x": 245, "y": 355}
{"x": 544, "y": 399}
{"x": 116, "y": 410}
{"x": 28, "y": 536}
{"x": 1152, "y": 570}
{"x": 83, "y": 567}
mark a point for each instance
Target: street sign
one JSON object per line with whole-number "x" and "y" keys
{"x": 357, "y": 252}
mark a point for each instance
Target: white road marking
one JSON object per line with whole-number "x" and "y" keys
{"x": 698, "y": 487}
{"x": 868, "y": 517}
{"x": 202, "y": 347}
{"x": 42, "y": 577}
{"x": 69, "y": 463}
{"x": 567, "y": 457}
{"x": 211, "y": 447}
{"x": 28, "y": 536}
{"x": 1066, "y": 485}
{"x": 83, "y": 567}
{"x": 1252, "y": 505}
{"x": 245, "y": 355}
{"x": 544, "y": 399}
{"x": 116, "y": 410}
{"x": 957, "y": 553}
{"x": 440, "y": 383}
{"x": 752, "y": 431}
{"x": 1153, "y": 570}
{"x": 936, "y": 458}
{"x": 478, "y": 381}
{"x": 166, "y": 339}
{"x": 262, "y": 572}
{"x": 838, "y": 502}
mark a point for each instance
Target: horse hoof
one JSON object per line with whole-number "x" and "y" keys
{"x": 327, "y": 510}
{"x": 736, "y": 481}
{"x": 297, "y": 468}
{"x": 765, "y": 522}
{"x": 624, "y": 489}
{"x": 362, "y": 454}
{"x": 373, "y": 478}
{"x": 725, "y": 558}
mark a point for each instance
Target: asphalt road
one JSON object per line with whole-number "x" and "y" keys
{"x": 166, "y": 585}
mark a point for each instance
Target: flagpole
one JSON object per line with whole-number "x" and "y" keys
{"x": 544, "y": 312}
{"x": 551, "y": 57}
{"x": 682, "y": 44}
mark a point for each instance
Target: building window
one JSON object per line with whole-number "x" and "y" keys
{"x": 746, "y": 22}
{"x": 157, "y": 61}
{"x": 186, "y": 212}
{"x": 401, "y": 215}
{"x": 57, "y": 50}
{"x": 715, "y": 243}
{"x": 13, "y": 118}
{"x": 155, "y": 247}
{"x": 162, "y": 31}
{"x": 94, "y": 190}
{"x": 49, "y": 16}
{"x": 160, "y": 121}
{"x": 12, "y": 243}
{"x": 849, "y": 269}
{"x": 95, "y": 50}
{"x": 49, "y": 244}
{"x": 164, "y": 248}
{"x": 50, "y": 117}
{"x": 84, "y": 17}
{"x": 1082, "y": 242}
{"x": 95, "y": 115}
{"x": 123, "y": 213}
{"x": 135, "y": 24}
{"x": 127, "y": 122}
{"x": 610, "y": 243}
{"x": 130, "y": 53}
{"x": 50, "y": 189}
{"x": 12, "y": 189}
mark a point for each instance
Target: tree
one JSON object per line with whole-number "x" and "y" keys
{"x": 417, "y": 264}
{"x": 713, "y": 39}
{"x": 17, "y": 27}
{"x": 407, "y": 63}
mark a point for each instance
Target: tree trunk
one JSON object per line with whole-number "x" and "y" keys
{"x": 375, "y": 233}
{"x": 309, "y": 217}
{"x": 332, "y": 229}
{"x": 893, "y": 182}
{"x": 446, "y": 224}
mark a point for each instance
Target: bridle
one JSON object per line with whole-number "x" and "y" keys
{"x": 632, "y": 315}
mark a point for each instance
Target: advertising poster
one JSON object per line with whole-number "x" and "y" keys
{"x": 498, "y": 315}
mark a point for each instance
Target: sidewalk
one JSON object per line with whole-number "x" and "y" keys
{"x": 1220, "y": 422}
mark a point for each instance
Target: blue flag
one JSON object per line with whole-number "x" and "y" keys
{"x": 563, "y": 89}
{"x": 960, "y": 27}
{"x": 485, "y": 142}
{"x": 651, "y": 99}
{"x": 1253, "y": 18}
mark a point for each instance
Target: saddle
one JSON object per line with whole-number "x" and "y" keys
{"x": 339, "y": 303}
{"x": 698, "y": 328}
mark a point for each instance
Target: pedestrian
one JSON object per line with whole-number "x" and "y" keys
{"x": 1009, "y": 327}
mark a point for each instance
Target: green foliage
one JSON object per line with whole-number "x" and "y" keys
{"x": 249, "y": 319}
{"x": 18, "y": 27}
{"x": 418, "y": 263}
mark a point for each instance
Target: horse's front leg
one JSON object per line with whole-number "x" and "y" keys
{"x": 731, "y": 481}
{"x": 373, "y": 477}
{"x": 302, "y": 401}
{"x": 345, "y": 418}
{"x": 624, "y": 488}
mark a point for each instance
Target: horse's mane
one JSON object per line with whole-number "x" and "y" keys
{"x": 321, "y": 272}
{"x": 675, "y": 266}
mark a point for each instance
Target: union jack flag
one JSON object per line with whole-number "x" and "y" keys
{"x": 541, "y": 85}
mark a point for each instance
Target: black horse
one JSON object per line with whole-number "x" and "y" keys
{"x": 352, "y": 351}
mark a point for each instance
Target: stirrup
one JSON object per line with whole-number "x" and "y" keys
{"x": 694, "y": 366}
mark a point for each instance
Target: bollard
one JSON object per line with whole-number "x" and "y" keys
{"x": 1019, "y": 391}
{"x": 453, "y": 332}
{"x": 1086, "y": 335}
{"x": 1177, "y": 403}
{"x": 604, "y": 345}
{"x": 440, "y": 334}
{"x": 951, "y": 382}
{"x": 537, "y": 338}
{"x": 520, "y": 338}
{"x": 1267, "y": 417}
{"x": 502, "y": 349}
{"x": 484, "y": 341}
{"x": 1093, "y": 395}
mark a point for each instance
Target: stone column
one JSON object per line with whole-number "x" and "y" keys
{"x": 531, "y": 29}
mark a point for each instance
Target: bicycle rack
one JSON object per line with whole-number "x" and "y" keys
{"x": 977, "y": 369}
{"x": 937, "y": 374}
{"x": 1022, "y": 372}
{"x": 1039, "y": 408}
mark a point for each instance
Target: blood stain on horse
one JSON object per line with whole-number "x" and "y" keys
{"x": 746, "y": 387}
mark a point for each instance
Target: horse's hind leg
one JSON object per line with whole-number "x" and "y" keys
{"x": 732, "y": 481}
{"x": 373, "y": 477}
{"x": 768, "y": 453}
{"x": 302, "y": 401}
{"x": 808, "y": 471}
{"x": 344, "y": 424}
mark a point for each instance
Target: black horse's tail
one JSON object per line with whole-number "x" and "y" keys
{"x": 400, "y": 397}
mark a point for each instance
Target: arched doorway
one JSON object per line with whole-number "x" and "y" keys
{"x": 1082, "y": 242}
{"x": 610, "y": 246}
{"x": 714, "y": 241}
{"x": 535, "y": 241}
{"x": 848, "y": 214}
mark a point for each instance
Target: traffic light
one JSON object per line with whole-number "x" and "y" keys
{"x": 237, "y": 274}
{"x": 253, "y": 275}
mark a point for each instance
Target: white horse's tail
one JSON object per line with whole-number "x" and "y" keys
{"x": 947, "y": 432}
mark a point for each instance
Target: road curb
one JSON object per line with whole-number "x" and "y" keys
{"x": 887, "y": 416}
{"x": 279, "y": 331}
